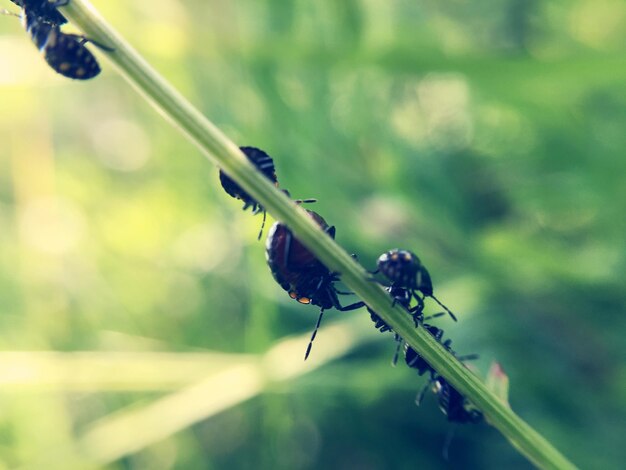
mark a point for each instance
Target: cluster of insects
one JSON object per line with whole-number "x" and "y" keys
{"x": 298, "y": 271}
{"x": 307, "y": 280}
{"x": 65, "y": 53}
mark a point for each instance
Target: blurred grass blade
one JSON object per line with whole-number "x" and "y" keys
{"x": 131, "y": 430}
{"x": 109, "y": 371}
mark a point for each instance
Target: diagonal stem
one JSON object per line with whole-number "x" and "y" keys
{"x": 224, "y": 153}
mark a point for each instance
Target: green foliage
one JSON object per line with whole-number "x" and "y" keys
{"x": 486, "y": 138}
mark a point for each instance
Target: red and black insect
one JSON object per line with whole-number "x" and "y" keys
{"x": 405, "y": 270}
{"x": 298, "y": 271}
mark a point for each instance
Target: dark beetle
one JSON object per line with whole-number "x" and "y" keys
{"x": 43, "y": 9}
{"x": 403, "y": 297}
{"x": 416, "y": 361}
{"x": 66, "y": 54}
{"x": 404, "y": 269}
{"x": 400, "y": 296}
{"x": 264, "y": 163}
{"x": 299, "y": 272}
{"x": 296, "y": 269}
{"x": 455, "y": 406}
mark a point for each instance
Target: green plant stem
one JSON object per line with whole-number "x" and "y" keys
{"x": 225, "y": 154}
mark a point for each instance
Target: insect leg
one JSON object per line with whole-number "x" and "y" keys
{"x": 436, "y": 315}
{"x": 84, "y": 40}
{"x": 400, "y": 341}
{"x": 447, "y": 442}
{"x": 308, "y": 348}
{"x": 444, "y": 307}
{"x": 350, "y": 307}
{"x": 420, "y": 395}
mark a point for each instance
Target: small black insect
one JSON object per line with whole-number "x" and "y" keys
{"x": 403, "y": 297}
{"x": 299, "y": 272}
{"x": 44, "y": 9}
{"x": 455, "y": 406}
{"x": 265, "y": 165}
{"x": 66, "y": 54}
{"x": 404, "y": 269}
{"x": 416, "y": 361}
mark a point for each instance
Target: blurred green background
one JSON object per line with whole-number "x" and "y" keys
{"x": 136, "y": 309}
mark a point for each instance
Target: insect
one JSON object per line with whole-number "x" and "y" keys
{"x": 298, "y": 271}
{"x": 265, "y": 165}
{"x": 404, "y": 269}
{"x": 416, "y": 361}
{"x": 455, "y": 406}
{"x": 66, "y": 54}
{"x": 400, "y": 295}
{"x": 44, "y": 9}
{"x": 403, "y": 297}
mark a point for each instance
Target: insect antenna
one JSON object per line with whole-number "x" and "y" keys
{"x": 85, "y": 40}
{"x": 262, "y": 225}
{"x": 8, "y": 13}
{"x": 444, "y": 307}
